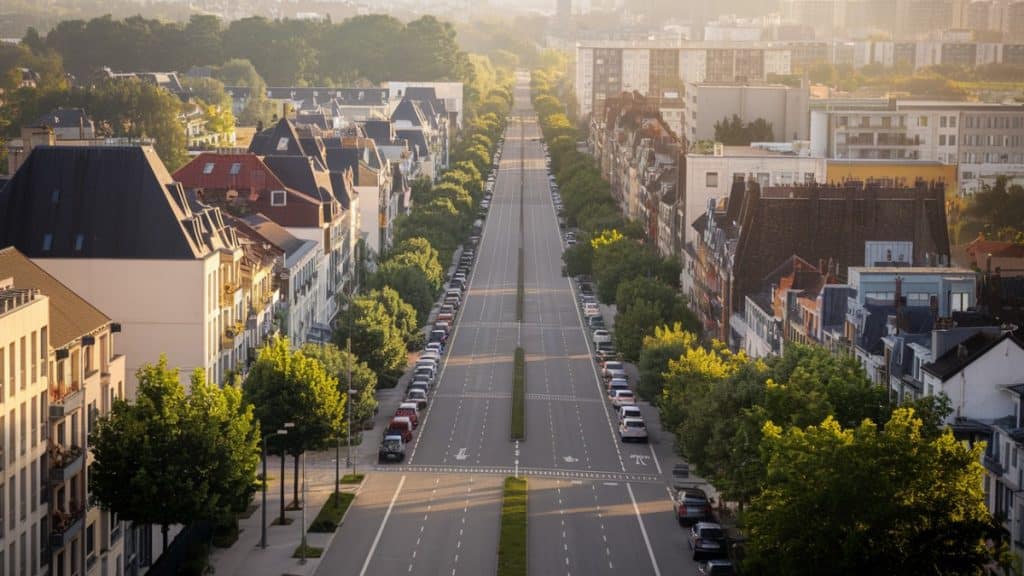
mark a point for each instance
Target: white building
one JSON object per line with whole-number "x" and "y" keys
{"x": 784, "y": 107}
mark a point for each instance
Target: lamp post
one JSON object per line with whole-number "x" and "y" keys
{"x": 286, "y": 426}
{"x": 302, "y": 546}
{"x": 263, "y": 511}
{"x": 348, "y": 403}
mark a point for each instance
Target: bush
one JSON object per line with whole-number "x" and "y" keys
{"x": 512, "y": 560}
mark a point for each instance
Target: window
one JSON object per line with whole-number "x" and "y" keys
{"x": 711, "y": 179}
{"x": 919, "y": 299}
{"x": 763, "y": 179}
{"x": 79, "y": 241}
{"x": 282, "y": 144}
{"x": 278, "y": 198}
{"x": 808, "y": 177}
{"x": 942, "y": 137}
{"x": 959, "y": 301}
{"x": 922, "y": 121}
{"x": 952, "y": 140}
{"x": 55, "y": 195}
{"x": 236, "y": 168}
{"x": 952, "y": 121}
{"x": 942, "y": 121}
{"x": 208, "y": 168}
{"x": 47, "y": 242}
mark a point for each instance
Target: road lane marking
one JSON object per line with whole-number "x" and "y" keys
{"x": 643, "y": 530}
{"x": 383, "y": 524}
{"x": 655, "y": 456}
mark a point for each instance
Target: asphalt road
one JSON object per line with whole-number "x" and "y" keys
{"x": 596, "y": 506}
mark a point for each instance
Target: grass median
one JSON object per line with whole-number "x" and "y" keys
{"x": 519, "y": 395}
{"x": 331, "y": 514}
{"x": 512, "y": 546}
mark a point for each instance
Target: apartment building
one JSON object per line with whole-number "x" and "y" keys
{"x": 112, "y": 225}
{"x": 24, "y": 336}
{"x": 84, "y": 375}
{"x": 982, "y": 140}
{"x": 784, "y": 107}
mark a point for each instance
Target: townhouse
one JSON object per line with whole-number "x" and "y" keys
{"x": 111, "y": 224}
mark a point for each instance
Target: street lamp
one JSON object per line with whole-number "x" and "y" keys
{"x": 287, "y": 425}
{"x": 263, "y": 524}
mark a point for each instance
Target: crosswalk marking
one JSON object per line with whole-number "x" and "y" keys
{"x": 507, "y": 471}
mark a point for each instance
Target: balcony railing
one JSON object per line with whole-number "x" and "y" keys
{"x": 66, "y": 525}
{"x": 64, "y": 398}
{"x": 66, "y": 461}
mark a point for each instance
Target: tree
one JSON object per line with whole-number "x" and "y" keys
{"x": 402, "y": 314}
{"x": 411, "y": 284}
{"x": 287, "y": 386}
{"x": 667, "y": 343}
{"x": 634, "y": 324}
{"x": 375, "y": 339}
{"x": 863, "y": 500}
{"x": 733, "y": 132}
{"x": 169, "y": 458}
{"x": 418, "y": 252}
{"x": 997, "y": 211}
{"x": 338, "y": 362}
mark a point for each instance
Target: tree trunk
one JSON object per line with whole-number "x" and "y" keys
{"x": 295, "y": 486}
{"x": 163, "y": 530}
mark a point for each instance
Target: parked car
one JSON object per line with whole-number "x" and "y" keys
{"x": 442, "y": 325}
{"x": 427, "y": 373}
{"x": 613, "y": 369}
{"x": 409, "y": 413}
{"x": 400, "y": 426}
{"x": 417, "y": 396}
{"x": 595, "y": 322}
{"x": 435, "y": 347}
{"x": 707, "y": 540}
{"x": 681, "y": 476}
{"x": 716, "y": 568}
{"x": 629, "y": 411}
{"x": 445, "y": 316}
{"x": 622, "y": 398}
{"x": 410, "y": 405}
{"x": 438, "y": 336}
{"x": 591, "y": 309}
{"x": 616, "y": 384}
{"x": 420, "y": 385}
{"x": 601, "y": 335}
{"x": 392, "y": 448}
{"x": 632, "y": 429}
{"x": 692, "y": 506}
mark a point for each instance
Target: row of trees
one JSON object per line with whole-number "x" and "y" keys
{"x": 629, "y": 272}
{"x": 996, "y": 212}
{"x": 371, "y": 48}
{"x": 734, "y": 132}
{"x": 820, "y": 461}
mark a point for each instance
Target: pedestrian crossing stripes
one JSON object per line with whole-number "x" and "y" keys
{"x": 538, "y": 472}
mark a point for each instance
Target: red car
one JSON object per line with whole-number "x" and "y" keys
{"x": 410, "y": 414}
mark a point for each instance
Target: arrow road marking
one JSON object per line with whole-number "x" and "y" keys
{"x": 569, "y": 459}
{"x": 639, "y": 459}
{"x": 461, "y": 455}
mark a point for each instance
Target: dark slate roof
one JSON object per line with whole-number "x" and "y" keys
{"x": 71, "y": 316}
{"x": 380, "y": 130}
{"x": 102, "y": 202}
{"x": 914, "y": 320}
{"x": 959, "y": 357}
{"x": 701, "y": 223}
{"x": 342, "y": 193}
{"x": 273, "y": 233}
{"x": 427, "y": 94}
{"x": 410, "y": 111}
{"x": 63, "y": 117}
{"x": 417, "y": 141}
{"x": 318, "y": 119}
{"x": 322, "y": 95}
{"x": 302, "y": 173}
{"x": 341, "y": 159}
{"x": 281, "y": 139}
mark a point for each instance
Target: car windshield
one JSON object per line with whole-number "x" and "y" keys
{"x": 634, "y": 424}
{"x": 392, "y": 445}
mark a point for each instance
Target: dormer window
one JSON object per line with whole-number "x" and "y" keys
{"x": 282, "y": 144}
{"x": 208, "y": 168}
{"x": 236, "y": 168}
{"x": 278, "y": 198}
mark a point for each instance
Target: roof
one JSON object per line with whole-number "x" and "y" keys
{"x": 345, "y": 96}
{"x": 381, "y": 131}
{"x": 301, "y": 173}
{"x": 417, "y": 141}
{"x": 410, "y": 111}
{"x": 274, "y": 233}
{"x": 104, "y": 202}
{"x": 71, "y": 316}
{"x": 959, "y": 357}
{"x": 278, "y": 140}
{"x": 63, "y": 117}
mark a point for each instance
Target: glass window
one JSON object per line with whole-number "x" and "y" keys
{"x": 959, "y": 302}
{"x": 278, "y": 198}
{"x": 711, "y": 179}
{"x": 236, "y": 168}
{"x": 922, "y": 121}
{"x": 208, "y": 168}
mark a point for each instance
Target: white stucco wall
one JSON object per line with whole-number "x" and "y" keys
{"x": 978, "y": 390}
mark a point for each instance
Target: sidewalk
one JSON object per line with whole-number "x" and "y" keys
{"x": 246, "y": 558}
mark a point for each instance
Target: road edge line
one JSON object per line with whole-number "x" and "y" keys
{"x": 643, "y": 530}
{"x": 383, "y": 524}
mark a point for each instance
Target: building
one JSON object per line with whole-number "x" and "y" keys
{"x": 372, "y": 179}
{"x": 344, "y": 104}
{"x": 891, "y": 172}
{"x": 141, "y": 241}
{"x": 445, "y": 95}
{"x": 24, "y": 325}
{"x": 982, "y": 140}
{"x": 742, "y": 238}
{"x": 67, "y": 124}
{"x": 84, "y": 376}
{"x": 783, "y": 107}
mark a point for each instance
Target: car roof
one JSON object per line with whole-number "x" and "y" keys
{"x": 707, "y": 525}
{"x": 626, "y": 420}
{"x": 402, "y": 419}
{"x": 394, "y": 437}
{"x": 408, "y": 405}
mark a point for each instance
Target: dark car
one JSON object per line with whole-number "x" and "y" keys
{"x": 707, "y": 540}
{"x": 716, "y": 568}
{"x": 391, "y": 449}
{"x": 692, "y": 506}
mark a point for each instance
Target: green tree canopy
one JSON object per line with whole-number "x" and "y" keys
{"x": 171, "y": 458}
{"x": 287, "y": 386}
{"x": 338, "y": 362}
{"x": 862, "y": 500}
{"x": 667, "y": 343}
{"x": 375, "y": 339}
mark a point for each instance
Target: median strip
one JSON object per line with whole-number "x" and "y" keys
{"x": 521, "y": 290}
{"x": 512, "y": 546}
{"x": 519, "y": 395}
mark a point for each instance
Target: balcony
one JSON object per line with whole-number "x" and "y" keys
{"x": 66, "y": 526}
{"x": 992, "y": 464}
{"x": 64, "y": 399}
{"x": 231, "y": 334}
{"x": 66, "y": 461}
{"x": 227, "y": 294}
